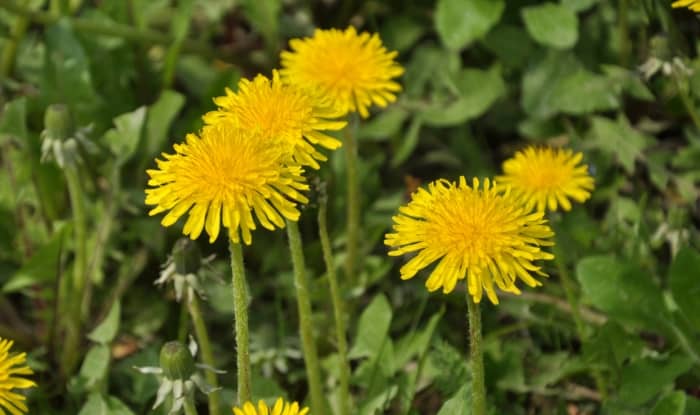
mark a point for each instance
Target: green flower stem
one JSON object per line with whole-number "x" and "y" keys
{"x": 477, "y": 358}
{"x": 313, "y": 370}
{"x": 240, "y": 310}
{"x": 568, "y": 285}
{"x": 353, "y": 199}
{"x": 200, "y": 330}
{"x": 190, "y": 408}
{"x": 74, "y": 296}
{"x": 338, "y": 307}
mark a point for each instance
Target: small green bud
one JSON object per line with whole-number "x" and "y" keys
{"x": 176, "y": 361}
{"x": 57, "y": 122}
{"x": 187, "y": 257}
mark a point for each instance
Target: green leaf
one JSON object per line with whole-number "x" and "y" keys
{"x": 416, "y": 343}
{"x": 460, "y": 22}
{"x": 478, "y": 90}
{"x": 124, "y": 139}
{"x": 552, "y": 25}
{"x": 510, "y": 44}
{"x": 95, "y": 365}
{"x": 160, "y": 115}
{"x": 623, "y": 291}
{"x": 401, "y": 32}
{"x": 458, "y": 404}
{"x": 383, "y": 125}
{"x": 42, "y": 267}
{"x": 578, "y": 5}
{"x": 97, "y": 404}
{"x": 685, "y": 284}
{"x": 583, "y": 92}
{"x": 373, "y": 328}
{"x": 619, "y": 139}
{"x": 672, "y": 404}
{"x": 643, "y": 379}
{"x": 104, "y": 333}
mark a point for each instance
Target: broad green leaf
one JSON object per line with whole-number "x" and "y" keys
{"x": 401, "y": 32}
{"x": 684, "y": 281}
{"x": 124, "y": 139}
{"x": 624, "y": 291}
{"x": 416, "y": 343}
{"x": 373, "y": 328}
{"x": 459, "y": 404}
{"x": 477, "y": 89}
{"x": 551, "y": 25}
{"x": 97, "y": 404}
{"x": 672, "y": 404}
{"x": 510, "y": 44}
{"x": 383, "y": 125}
{"x": 540, "y": 81}
{"x": 160, "y": 115}
{"x": 42, "y": 267}
{"x": 378, "y": 403}
{"x": 583, "y": 92}
{"x": 618, "y": 138}
{"x": 643, "y": 379}
{"x": 460, "y": 22}
{"x": 104, "y": 333}
{"x": 95, "y": 365}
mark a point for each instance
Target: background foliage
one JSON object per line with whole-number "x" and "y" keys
{"x": 618, "y": 80}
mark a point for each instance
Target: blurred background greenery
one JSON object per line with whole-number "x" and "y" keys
{"x": 616, "y": 79}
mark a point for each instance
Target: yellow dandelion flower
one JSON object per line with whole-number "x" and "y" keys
{"x": 547, "y": 177}
{"x": 353, "y": 70}
{"x": 693, "y": 5}
{"x": 12, "y": 365}
{"x": 277, "y": 111}
{"x": 280, "y": 408}
{"x": 483, "y": 235}
{"x": 225, "y": 176}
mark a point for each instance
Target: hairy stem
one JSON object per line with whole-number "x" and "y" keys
{"x": 240, "y": 310}
{"x": 477, "y": 358}
{"x": 313, "y": 369}
{"x": 200, "y": 330}
{"x": 338, "y": 308}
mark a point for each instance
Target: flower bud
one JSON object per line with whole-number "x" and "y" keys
{"x": 57, "y": 122}
{"x": 176, "y": 361}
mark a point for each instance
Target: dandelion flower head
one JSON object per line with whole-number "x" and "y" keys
{"x": 277, "y": 111}
{"x": 353, "y": 70}
{"x": 479, "y": 234}
{"x": 693, "y": 5}
{"x": 12, "y": 366}
{"x": 547, "y": 177}
{"x": 226, "y": 175}
{"x": 280, "y": 408}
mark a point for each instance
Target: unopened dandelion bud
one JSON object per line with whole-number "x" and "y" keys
{"x": 176, "y": 361}
{"x": 57, "y": 122}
